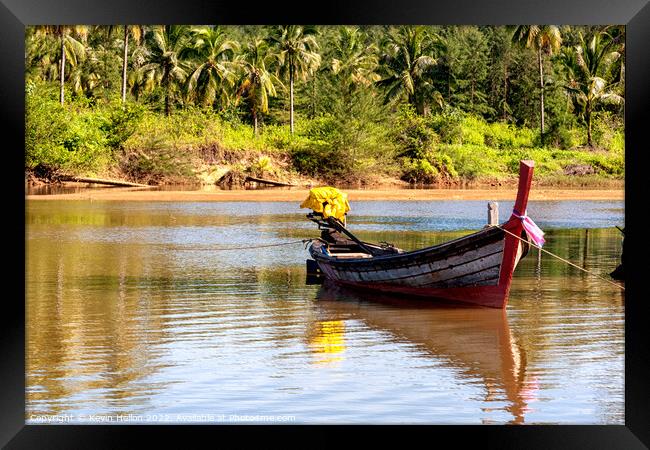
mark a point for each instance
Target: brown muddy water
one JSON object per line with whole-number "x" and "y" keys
{"x": 135, "y": 315}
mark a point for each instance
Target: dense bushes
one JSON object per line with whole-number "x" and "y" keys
{"x": 155, "y": 164}
{"x": 454, "y": 144}
{"x": 433, "y": 167}
{"x": 76, "y": 137}
{"x": 450, "y": 145}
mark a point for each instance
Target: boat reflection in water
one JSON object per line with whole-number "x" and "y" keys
{"x": 476, "y": 342}
{"x": 327, "y": 341}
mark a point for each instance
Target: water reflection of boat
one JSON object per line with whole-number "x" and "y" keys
{"x": 477, "y": 343}
{"x": 474, "y": 269}
{"x": 327, "y": 341}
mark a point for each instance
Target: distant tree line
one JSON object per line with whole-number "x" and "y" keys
{"x": 543, "y": 76}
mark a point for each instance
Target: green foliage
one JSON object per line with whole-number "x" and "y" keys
{"x": 413, "y": 134}
{"x": 67, "y": 138}
{"x": 607, "y": 131}
{"x": 314, "y": 160}
{"x": 261, "y": 167}
{"x": 448, "y": 125}
{"x": 559, "y": 136}
{"x": 419, "y": 171}
{"x": 120, "y": 123}
{"x": 155, "y": 163}
{"x": 406, "y": 66}
{"x": 45, "y": 129}
{"x": 315, "y": 156}
{"x": 430, "y": 168}
{"x": 468, "y": 57}
{"x": 473, "y": 130}
{"x": 427, "y": 103}
{"x": 472, "y": 162}
{"x": 504, "y": 135}
{"x": 457, "y": 127}
{"x": 607, "y": 165}
{"x": 349, "y": 150}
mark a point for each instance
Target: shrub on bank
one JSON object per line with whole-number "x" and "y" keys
{"x": 67, "y": 137}
{"x": 474, "y": 162}
{"x": 88, "y": 137}
{"x": 413, "y": 134}
{"x": 155, "y": 164}
{"x": 433, "y": 167}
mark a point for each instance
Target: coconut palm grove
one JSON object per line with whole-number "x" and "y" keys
{"x": 336, "y": 104}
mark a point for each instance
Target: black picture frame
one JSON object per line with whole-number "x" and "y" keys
{"x": 635, "y": 14}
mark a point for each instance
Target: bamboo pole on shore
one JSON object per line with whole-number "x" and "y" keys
{"x": 101, "y": 181}
{"x": 271, "y": 182}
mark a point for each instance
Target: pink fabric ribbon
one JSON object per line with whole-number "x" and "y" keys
{"x": 535, "y": 233}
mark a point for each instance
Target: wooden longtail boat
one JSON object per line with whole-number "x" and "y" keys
{"x": 474, "y": 269}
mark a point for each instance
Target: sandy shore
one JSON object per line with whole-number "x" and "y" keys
{"x": 298, "y": 195}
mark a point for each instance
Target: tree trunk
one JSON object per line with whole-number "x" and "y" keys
{"x": 588, "y": 117}
{"x": 313, "y": 97}
{"x": 255, "y": 121}
{"x": 541, "y": 93}
{"x": 124, "y": 61}
{"x": 505, "y": 90}
{"x": 167, "y": 105}
{"x": 100, "y": 181}
{"x": 291, "y": 98}
{"x": 62, "y": 86}
{"x": 472, "y": 93}
{"x": 419, "y": 105}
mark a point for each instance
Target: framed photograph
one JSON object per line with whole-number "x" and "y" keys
{"x": 381, "y": 214}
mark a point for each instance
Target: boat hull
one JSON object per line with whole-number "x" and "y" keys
{"x": 475, "y": 269}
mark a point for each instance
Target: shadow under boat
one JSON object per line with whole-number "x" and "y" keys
{"x": 475, "y": 341}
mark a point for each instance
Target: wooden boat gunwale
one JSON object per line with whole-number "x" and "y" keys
{"x": 438, "y": 248}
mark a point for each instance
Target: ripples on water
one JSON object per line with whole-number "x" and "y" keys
{"x": 130, "y": 310}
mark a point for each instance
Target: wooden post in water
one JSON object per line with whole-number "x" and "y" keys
{"x": 585, "y": 250}
{"x": 493, "y": 213}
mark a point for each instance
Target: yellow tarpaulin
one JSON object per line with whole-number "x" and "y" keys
{"x": 328, "y": 201}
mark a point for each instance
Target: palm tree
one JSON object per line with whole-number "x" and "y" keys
{"x": 542, "y": 39}
{"x": 165, "y": 66}
{"x": 257, "y": 84}
{"x": 40, "y": 56}
{"x": 71, "y": 43}
{"x": 296, "y": 47}
{"x": 593, "y": 73}
{"x": 137, "y": 81}
{"x": 353, "y": 62}
{"x": 136, "y": 31}
{"x": 406, "y": 66}
{"x": 86, "y": 77}
{"x": 215, "y": 73}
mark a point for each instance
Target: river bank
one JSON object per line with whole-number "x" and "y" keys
{"x": 299, "y": 194}
{"x": 195, "y": 146}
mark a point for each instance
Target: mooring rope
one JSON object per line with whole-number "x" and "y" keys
{"x": 251, "y": 247}
{"x": 305, "y": 241}
{"x": 560, "y": 258}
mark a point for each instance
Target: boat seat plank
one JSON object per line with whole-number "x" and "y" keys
{"x": 350, "y": 255}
